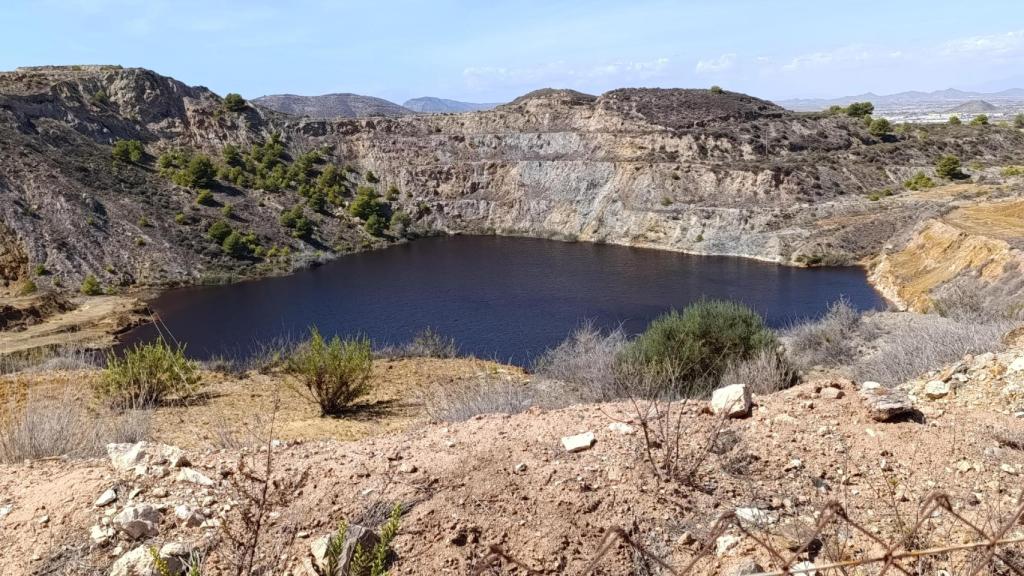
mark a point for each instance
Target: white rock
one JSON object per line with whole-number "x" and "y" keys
{"x": 100, "y": 535}
{"x": 126, "y": 457}
{"x": 621, "y": 428}
{"x": 1016, "y": 366}
{"x": 579, "y": 442}
{"x": 1008, "y": 468}
{"x": 756, "y": 516}
{"x": 936, "y": 389}
{"x": 108, "y": 497}
{"x": 830, "y": 393}
{"x": 188, "y": 517}
{"x": 871, "y": 387}
{"x": 804, "y": 568}
{"x": 725, "y": 543}
{"x": 520, "y": 468}
{"x": 732, "y": 400}
{"x": 194, "y": 476}
{"x": 138, "y": 521}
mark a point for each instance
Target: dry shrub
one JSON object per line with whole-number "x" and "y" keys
{"x": 923, "y": 342}
{"x": 831, "y": 341}
{"x": 491, "y": 392}
{"x": 34, "y": 427}
{"x": 585, "y": 363}
{"x": 44, "y": 359}
{"x": 332, "y": 374}
{"x": 971, "y": 299}
{"x": 428, "y": 343}
{"x": 765, "y": 372}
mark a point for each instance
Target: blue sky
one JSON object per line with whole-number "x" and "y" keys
{"x": 494, "y": 50}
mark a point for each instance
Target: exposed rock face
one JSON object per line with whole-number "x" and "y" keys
{"x": 688, "y": 170}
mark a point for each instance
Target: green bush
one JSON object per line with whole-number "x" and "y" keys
{"x": 1018, "y": 121}
{"x": 880, "y": 127}
{"x": 333, "y": 374}
{"x": 28, "y": 287}
{"x": 218, "y": 231}
{"x": 231, "y": 155}
{"x": 295, "y": 221}
{"x": 717, "y": 89}
{"x": 980, "y": 120}
{"x": 235, "y": 245}
{"x": 205, "y": 198}
{"x": 128, "y": 151}
{"x": 919, "y": 181}
{"x": 954, "y": 120}
{"x": 367, "y": 203}
{"x": 234, "y": 102}
{"x": 371, "y": 177}
{"x": 1009, "y": 171}
{"x": 199, "y": 172}
{"x": 146, "y": 375}
{"x": 690, "y": 350}
{"x": 860, "y": 109}
{"x": 40, "y": 270}
{"x": 375, "y": 225}
{"x": 91, "y": 286}
{"x": 948, "y": 167}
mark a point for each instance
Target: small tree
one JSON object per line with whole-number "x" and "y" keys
{"x": 234, "y": 102}
{"x": 198, "y": 173}
{"x": 91, "y": 286}
{"x": 980, "y": 120}
{"x": 954, "y": 120}
{"x": 128, "y": 151}
{"x": 716, "y": 89}
{"x": 948, "y": 167}
{"x": 234, "y": 245}
{"x": 919, "y": 181}
{"x": 375, "y": 225}
{"x": 1018, "y": 121}
{"x": 880, "y": 127}
{"x": 333, "y": 374}
{"x": 860, "y": 109}
{"x": 219, "y": 231}
{"x": 205, "y": 198}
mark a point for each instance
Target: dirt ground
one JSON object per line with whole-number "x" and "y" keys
{"x": 500, "y": 482}
{"x": 92, "y": 324}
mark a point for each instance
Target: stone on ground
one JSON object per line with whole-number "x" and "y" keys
{"x": 734, "y": 401}
{"x": 579, "y": 442}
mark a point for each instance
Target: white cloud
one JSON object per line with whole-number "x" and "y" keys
{"x": 991, "y": 44}
{"x": 720, "y": 64}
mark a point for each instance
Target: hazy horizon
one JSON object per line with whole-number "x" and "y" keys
{"x": 493, "y": 53}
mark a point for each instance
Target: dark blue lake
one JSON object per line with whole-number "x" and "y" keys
{"x": 502, "y": 298}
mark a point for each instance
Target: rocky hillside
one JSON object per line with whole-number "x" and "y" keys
{"x": 331, "y": 105}
{"x": 431, "y": 105}
{"x": 692, "y": 170}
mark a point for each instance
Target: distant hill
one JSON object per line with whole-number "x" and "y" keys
{"x": 332, "y": 105}
{"x": 973, "y": 107}
{"x": 431, "y": 105}
{"x": 949, "y": 96}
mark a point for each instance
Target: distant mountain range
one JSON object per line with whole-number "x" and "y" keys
{"x": 347, "y": 105}
{"x": 332, "y": 105}
{"x": 431, "y": 105}
{"x": 973, "y": 107}
{"x": 950, "y": 96}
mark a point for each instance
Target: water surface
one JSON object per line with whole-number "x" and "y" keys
{"x": 503, "y": 298}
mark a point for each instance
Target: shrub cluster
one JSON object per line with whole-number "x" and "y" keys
{"x": 334, "y": 374}
{"x": 188, "y": 169}
{"x": 919, "y": 181}
{"x": 147, "y": 374}
{"x": 234, "y": 102}
{"x": 855, "y": 109}
{"x": 128, "y": 151}
{"x": 948, "y": 167}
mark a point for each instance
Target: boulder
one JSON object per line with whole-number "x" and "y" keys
{"x": 883, "y": 405}
{"x": 831, "y": 393}
{"x": 725, "y": 543}
{"x": 937, "y": 389}
{"x": 188, "y": 517}
{"x": 194, "y": 476}
{"x": 108, "y": 497}
{"x": 139, "y": 562}
{"x": 100, "y": 535}
{"x": 142, "y": 521}
{"x": 128, "y": 457}
{"x": 733, "y": 401}
{"x": 356, "y": 535}
{"x": 579, "y": 442}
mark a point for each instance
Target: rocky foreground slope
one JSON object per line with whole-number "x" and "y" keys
{"x": 691, "y": 170}
{"x": 528, "y": 486}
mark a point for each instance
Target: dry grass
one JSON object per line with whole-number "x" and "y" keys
{"x": 585, "y": 365}
{"x": 34, "y": 426}
{"x": 765, "y": 372}
{"x": 831, "y": 341}
{"x": 490, "y": 392}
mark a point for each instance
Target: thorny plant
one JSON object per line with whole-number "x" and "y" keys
{"x": 373, "y": 561}
{"x": 259, "y": 493}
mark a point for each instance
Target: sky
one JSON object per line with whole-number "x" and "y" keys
{"x": 495, "y": 50}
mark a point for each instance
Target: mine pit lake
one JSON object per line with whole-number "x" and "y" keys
{"x": 507, "y": 299}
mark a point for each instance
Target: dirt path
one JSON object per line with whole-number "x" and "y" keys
{"x": 93, "y": 323}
